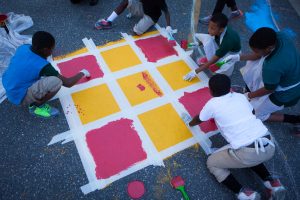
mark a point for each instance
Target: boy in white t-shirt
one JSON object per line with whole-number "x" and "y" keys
{"x": 249, "y": 140}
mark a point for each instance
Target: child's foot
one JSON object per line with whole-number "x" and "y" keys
{"x": 248, "y": 194}
{"x": 275, "y": 190}
{"x": 205, "y": 20}
{"x": 235, "y": 14}
{"x": 93, "y": 2}
{"x": 44, "y": 111}
{"x": 103, "y": 24}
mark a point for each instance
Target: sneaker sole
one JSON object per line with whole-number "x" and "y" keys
{"x": 39, "y": 116}
{"x": 237, "y": 17}
{"x": 279, "y": 194}
{"x": 102, "y": 28}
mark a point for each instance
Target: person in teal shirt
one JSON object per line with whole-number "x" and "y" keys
{"x": 280, "y": 74}
{"x": 30, "y": 80}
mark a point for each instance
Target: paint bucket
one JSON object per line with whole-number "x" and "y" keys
{"x": 3, "y": 18}
{"x": 184, "y": 44}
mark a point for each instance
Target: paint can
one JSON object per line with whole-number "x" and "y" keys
{"x": 184, "y": 44}
{"x": 3, "y": 18}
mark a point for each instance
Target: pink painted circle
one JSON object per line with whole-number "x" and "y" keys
{"x": 136, "y": 189}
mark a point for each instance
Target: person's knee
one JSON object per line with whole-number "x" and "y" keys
{"x": 55, "y": 83}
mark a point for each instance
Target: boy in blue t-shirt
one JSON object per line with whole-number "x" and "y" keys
{"x": 23, "y": 80}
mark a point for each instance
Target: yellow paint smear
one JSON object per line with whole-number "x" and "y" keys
{"x": 120, "y": 58}
{"x": 94, "y": 103}
{"x": 174, "y": 72}
{"x": 74, "y": 53}
{"x": 165, "y": 127}
{"x": 111, "y": 43}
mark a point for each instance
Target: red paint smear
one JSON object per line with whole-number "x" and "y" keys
{"x": 115, "y": 147}
{"x": 194, "y": 102}
{"x": 141, "y": 87}
{"x": 156, "y": 48}
{"x": 72, "y": 67}
{"x": 152, "y": 84}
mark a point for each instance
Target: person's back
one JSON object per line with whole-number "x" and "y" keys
{"x": 22, "y": 72}
{"x": 283, "y": 66}
{"x": 233, "y": 115}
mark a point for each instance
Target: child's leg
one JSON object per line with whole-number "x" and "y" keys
{"x": 119, "y": 10}
{"x": 143, "y": 25}
{"x": 42, "y": 91}
{"x": 219, "y": 6}
{"x": 231, "y": 4}
{"x": 261, "y": 171}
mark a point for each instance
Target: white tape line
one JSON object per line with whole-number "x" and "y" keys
{"x": 59, "y": 137}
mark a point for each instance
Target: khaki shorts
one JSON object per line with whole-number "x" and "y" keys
{"x": 40, "y": 88}
{"x": 135, "y": 7}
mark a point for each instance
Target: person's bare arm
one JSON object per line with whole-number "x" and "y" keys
{"x": 250, "y": 56}
{"x": 195, "y": 121}
{"x": 69, "y": 82}
{"x": 206, "y": 65}
{"x": 259, "y": 93}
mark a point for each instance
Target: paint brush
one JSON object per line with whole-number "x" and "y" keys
{"x": 178, "y": 183}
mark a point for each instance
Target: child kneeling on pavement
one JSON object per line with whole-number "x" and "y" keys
{"x": 221, "y": 41}
{"x": 31, "y": 80}
{"x": 250, "y": 143}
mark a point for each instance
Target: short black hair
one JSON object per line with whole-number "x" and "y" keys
{"x": 263, "y": 38}
{"x": 220, "y": 19}
{"x": 42, "y": 39}
{"x": 219, "y": 85}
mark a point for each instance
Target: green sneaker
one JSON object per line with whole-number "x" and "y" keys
{"x": 44, "y": 111}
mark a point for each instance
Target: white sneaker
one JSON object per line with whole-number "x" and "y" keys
{"x": 275, "y": 190}
{"x": 248, "y": 194}
{"x": 205, "y": 20}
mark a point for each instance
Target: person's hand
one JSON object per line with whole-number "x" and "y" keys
{"x": 232, "y": 58}
{"x": 186, "y": 118}
{"x": 86, "y": 73}
{"x": 190, "y": 76}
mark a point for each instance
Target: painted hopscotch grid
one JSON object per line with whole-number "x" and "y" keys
{"x": 170, "y": 98}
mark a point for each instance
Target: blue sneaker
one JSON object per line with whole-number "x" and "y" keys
{"x": 44, "y": 111}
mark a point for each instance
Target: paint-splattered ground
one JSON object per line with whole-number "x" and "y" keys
{"x": 31, "y": 170}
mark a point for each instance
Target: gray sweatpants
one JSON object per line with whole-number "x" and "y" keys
{"x": 221, "y": 161}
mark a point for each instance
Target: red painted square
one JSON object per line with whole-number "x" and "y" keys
{"x": 194, "y": 102}
{"x": 72, "y": 67}
{"x": 115, "y": 147}
{"x": 156, "y": 48}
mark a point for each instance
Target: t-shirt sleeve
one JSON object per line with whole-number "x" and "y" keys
{"x": 271, "y": 76}
{"x": 206, "y": 113}
{"x": 49, "y": 70}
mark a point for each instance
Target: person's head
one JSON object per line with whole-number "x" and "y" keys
{"x": 219, "y": 85}
{"x": 217, "y": 24}
{"x": 43, "y": 43}
{"x": 263, "y": 41}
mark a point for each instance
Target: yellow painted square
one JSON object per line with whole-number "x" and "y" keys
{"x": 174, "y": 72}
{"x": 131, "y": 87}
{"x": 94, "y": 103}
{"x": 165, "y": 127}
{"x": 120, "y": 58}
